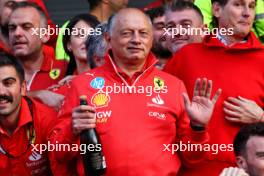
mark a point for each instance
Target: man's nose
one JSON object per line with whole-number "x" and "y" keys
{"x": 246, "y": 12}
{"x": 18, "y": 31}
{"x": 136, "y": 38}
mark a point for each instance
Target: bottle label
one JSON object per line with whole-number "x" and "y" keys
{"x": 103, "y": 162}
{"x": 98, "y": 161}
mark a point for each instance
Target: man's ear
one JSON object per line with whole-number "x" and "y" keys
{"x": 217, "y": 9}
{"x": 204, "y": 28}
{"x": 242, "y": 163}
{"x": 108, "y": 39}
{"x": 23, "y": 88}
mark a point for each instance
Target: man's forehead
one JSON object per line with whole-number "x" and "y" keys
{"x": 132, "y": 23}
{"x": 130, "y": 14}
{"x": 176, "y": 16}
{"x": 8, "y": 72}
{"x": 243, "y": 1}
{"x": 30, "y": 15}
{"x": 159, "y": 19}
{"x": 256, "y": 143}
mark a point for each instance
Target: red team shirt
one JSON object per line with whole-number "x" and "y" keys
{"x": 50, "y": 73}
{"x": 238, "y": 70}
{"x": 133, "y": 126}
{"x": 32, "y": 162}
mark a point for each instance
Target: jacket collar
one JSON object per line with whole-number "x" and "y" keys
{"x": 149, "y": 63}
{"x": 147, "y": 68}
{"x": 48, "y": 59}
{"x": 252, "y": 43}
{"x": 24, "y": 117}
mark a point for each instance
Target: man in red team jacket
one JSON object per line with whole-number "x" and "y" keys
{"x": 234, "y": 61}
{"x": 23, "y": 122}
{"x": 138, "y": 110}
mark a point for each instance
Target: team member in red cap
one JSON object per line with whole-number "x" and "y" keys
{"x": 23, "y": 122}
{"x": 235, "y": 63}
{"x": 139, "y": 109}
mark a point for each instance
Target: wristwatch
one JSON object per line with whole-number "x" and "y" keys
{"x": 197, "y": 128}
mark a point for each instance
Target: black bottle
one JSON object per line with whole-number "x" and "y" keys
{"x": 93, "y": 160}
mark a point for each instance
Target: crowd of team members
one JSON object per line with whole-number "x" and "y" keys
{"x": 43, "y": 76}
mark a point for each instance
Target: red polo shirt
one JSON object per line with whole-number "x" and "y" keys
{"x": 31, "y": 162}
{"x": 50, "y": 73}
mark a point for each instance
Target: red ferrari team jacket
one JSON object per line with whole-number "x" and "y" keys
{"x": 50, "y": 73}
{"x": 31, "y": 162}
{"x": 135, "y": 124}
{"x": 239, "y": 71}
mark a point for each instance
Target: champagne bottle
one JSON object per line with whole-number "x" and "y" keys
{"x": 93, "y": 160}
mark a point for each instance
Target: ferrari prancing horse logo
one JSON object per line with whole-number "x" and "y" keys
{"x": 54, "y": 73}
{"x": 158, "y": 83}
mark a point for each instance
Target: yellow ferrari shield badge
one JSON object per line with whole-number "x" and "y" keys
{"x": 54, "y": 73}
{"x": 158, "y": 83}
